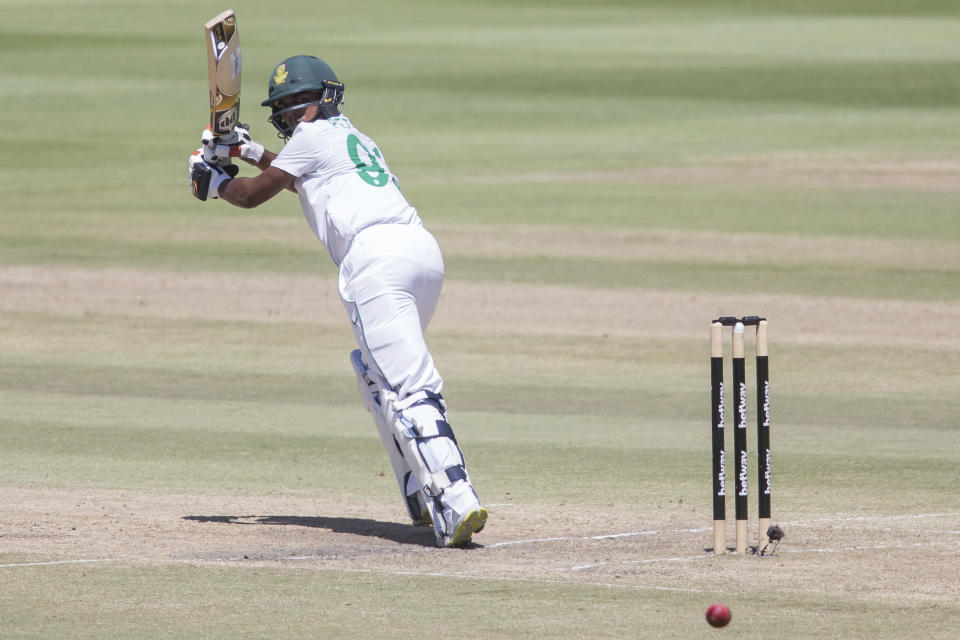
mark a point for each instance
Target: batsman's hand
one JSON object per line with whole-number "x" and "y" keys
{"x": 206, "y": 178}
{"x": 217, "y": 150}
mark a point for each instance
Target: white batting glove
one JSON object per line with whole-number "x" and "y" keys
{"x": 217, "y": 150}
{"x": 206, "y": 178}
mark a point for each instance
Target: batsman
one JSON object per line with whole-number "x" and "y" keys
{"x": 390, "y": 275}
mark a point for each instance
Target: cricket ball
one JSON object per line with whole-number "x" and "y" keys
{"x": 718, "y": 615}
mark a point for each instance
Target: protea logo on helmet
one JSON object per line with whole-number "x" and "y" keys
{"x": 281, "y": 75}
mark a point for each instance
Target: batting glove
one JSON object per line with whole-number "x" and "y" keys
{"x": 217, "y": 150}
{"x": 206, "y": 178}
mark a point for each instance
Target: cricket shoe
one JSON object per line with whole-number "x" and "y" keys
{"x": 471, "y": 523}
{"x": 462, "y": 516}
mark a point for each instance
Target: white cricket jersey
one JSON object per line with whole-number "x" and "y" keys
{"x": 343, "y": 182}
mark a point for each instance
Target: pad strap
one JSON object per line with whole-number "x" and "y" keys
{"x": 443, "y": 479}
{"x": 421, "y": 397}
{"x": 434, "y": 429}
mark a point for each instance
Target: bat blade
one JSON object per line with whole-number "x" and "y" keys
{"x": 223, "y": 66}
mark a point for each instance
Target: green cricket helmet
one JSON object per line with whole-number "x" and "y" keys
{"x": 301, "y": 74}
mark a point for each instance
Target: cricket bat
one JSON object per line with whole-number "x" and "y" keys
{"x": 223, "y": 72}
{"x": 223, "y": 66}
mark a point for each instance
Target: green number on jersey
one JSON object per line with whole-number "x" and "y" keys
{"x": 369, "y": 168}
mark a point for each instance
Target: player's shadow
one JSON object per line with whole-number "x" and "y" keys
{"x": 400, "y": 533}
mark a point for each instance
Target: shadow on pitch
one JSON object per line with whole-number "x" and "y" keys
{"x": 400, "y": 533}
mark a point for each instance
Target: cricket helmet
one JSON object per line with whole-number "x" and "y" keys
{"x": 300, "y": 74}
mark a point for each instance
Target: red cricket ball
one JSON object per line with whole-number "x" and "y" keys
{"x": 718, "y": 615}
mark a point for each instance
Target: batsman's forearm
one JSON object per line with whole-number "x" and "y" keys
{"x": 264, "y": 163}
{"x": 243, "y": 193}
{"x": 251, "y": 192}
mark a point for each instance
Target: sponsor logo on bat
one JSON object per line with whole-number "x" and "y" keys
{"x": 228, "y": 119}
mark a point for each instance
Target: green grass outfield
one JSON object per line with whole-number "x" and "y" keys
{"x": 635, "y": 168}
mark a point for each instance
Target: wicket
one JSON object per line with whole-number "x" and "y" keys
{"x": 741, "y": 492}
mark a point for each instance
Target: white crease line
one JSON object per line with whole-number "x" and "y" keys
{"x": 645, "y": 561}
{"x": 532, "y": 541}
{"x": 586, "y": 566}
{"x": 53, "y": 562}
{"x": 563, "y": 539}
{"x": 799, "y": 523}
{"x": 878, "y": 547}
{"x": 679, "y": 559}
{"x": 861, "y": 548}
{"x": 623, "y": 535}
{"x": 589, "y": 566}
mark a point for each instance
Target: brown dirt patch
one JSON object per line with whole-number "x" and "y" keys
{"x": 934, "y": 173}
{"x": 481, "y": 307}
{"x": 692, "y": 246}
{"x": 890, "y": 558}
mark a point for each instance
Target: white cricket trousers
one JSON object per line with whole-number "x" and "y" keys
{"x": 390, "y": 283}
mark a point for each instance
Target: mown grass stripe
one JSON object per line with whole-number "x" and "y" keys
{"x": 816, "y": 279}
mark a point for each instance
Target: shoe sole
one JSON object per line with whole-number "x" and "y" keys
{"x": 472, "y": 523}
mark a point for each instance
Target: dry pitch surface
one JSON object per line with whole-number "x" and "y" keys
{"x": 895, "y": 558}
